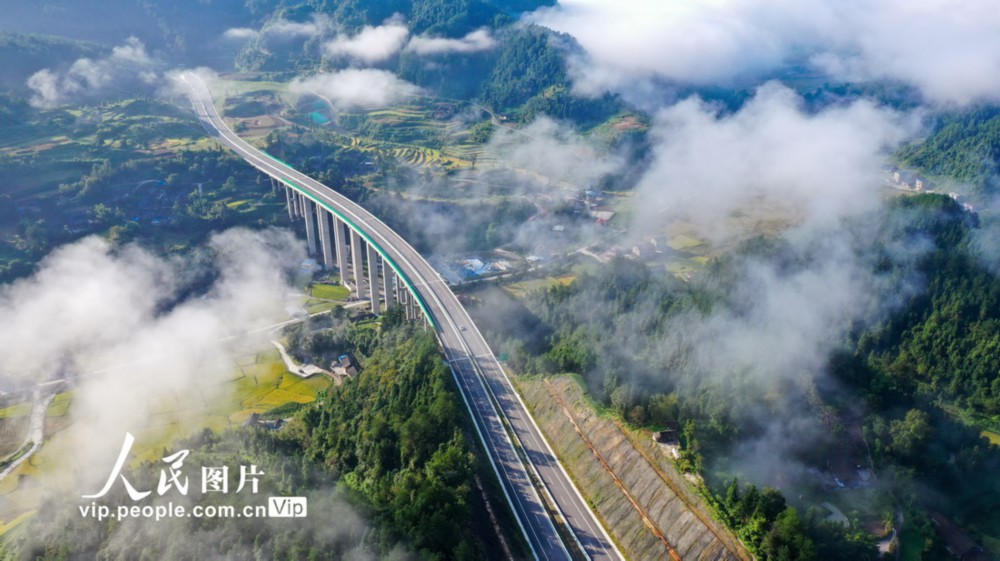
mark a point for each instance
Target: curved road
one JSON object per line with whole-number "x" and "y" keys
{"x": 487, "y": 392}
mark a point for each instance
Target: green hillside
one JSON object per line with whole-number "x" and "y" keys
{"x": 964, "y": 147}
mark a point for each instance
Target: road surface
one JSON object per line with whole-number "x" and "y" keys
{"x": 36, "y": 429}
{"x": 487, "y": 392}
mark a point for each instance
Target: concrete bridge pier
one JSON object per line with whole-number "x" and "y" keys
{"x": 410, "y": 309}
{"x": 340, "y": 243}
{"x": 373, "y": 283}
{"x": 388, "y": 283}
{"x": 294, "y": 204}
{"x": 357, "y": 260}
{"x": 325, "y": 238}
{"x": 309, "y": 216}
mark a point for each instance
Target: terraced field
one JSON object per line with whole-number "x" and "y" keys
{"x": 12, "y": 433}
{"x": 415, "y": 128}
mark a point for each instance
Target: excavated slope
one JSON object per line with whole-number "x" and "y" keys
{"x": 650, "y": 509}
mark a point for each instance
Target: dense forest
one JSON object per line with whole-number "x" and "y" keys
{"x": 524, "y": 75}
{"x": 635, "y": 338}
{"x": 394, "y": 436}
{"x": 964, "y": 147}
{"x": 22, "y": 55}
{"x": 435, "y": 17}
{"x": 170, "y": 203}
{"x": 382, "y": 459}
{"x": 166, "y": 28}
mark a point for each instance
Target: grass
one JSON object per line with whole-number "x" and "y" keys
{"x": 12, "y": 433}
{"x": 324, "y": 297}
{"x": 329, "y": 292}
{"x": 682, "y": 242}
{"x": 10, "y": 525}
{"x": 523, "y": 288}
{"x": 16, "y": 455}
{"x": 244, "y": 87}
{"x": 316, "y": 306}
{"x": 266, "y": 385}
{"x": 17, "y": 410}
{"x": 60, "y": 405}
{"x": 258, "y": 384}
{"x": 684, "y": 267}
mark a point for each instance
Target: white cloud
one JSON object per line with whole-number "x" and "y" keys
{"x": 103, "y": 317}
{"x": 690, "y": 41}
{"x": 131, "y": 51}
{"x": 127, "y": 63}
{"x": 287, "y": 29}
{"x": 821, "y": 166}
{"x": 546, "y": 148}
{"x": 241, "y": 33}
{"x": 355, "y": 87}
{"x": 45, "y": 85}
{"x": 371, "y": 44}
{"x": 175, "y": 86}
{"x": 479, "y": 40}
{"x": 951, "y": 50}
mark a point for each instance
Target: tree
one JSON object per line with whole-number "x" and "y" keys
{"x": 104, "y": 215}
{"x": 621, "y": 399}
{"x": 663, "y": 408}
{"x": 637, "y": 416}
{"x": 787, "y": 539}
{"x": 910, "y": 433}
{"x": 393, "y": 317}
{"x": 229, "y": 187}
{"x": 123, "y": 233}
{"x": 36, "y": 236}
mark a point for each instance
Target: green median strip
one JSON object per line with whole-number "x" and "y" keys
{"x": 276, "y": 159}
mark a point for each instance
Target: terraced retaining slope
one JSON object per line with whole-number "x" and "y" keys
{"x": 649, "y": 508}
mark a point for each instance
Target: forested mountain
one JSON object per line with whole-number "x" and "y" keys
{"x": 945, "y": 343}
{"x": 188, "y": 29}
{"x": 438, "y": 17}
{"x": 22, "y": 55}
{"x": 394, "y": 436}
{"x": 964, "y": 147}
{"x": 629, "y": 333}
{"x": 526, "y": 70}
{"x": 12, "y": 109}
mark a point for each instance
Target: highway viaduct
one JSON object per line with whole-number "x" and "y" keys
{"x": 382, "y": 267}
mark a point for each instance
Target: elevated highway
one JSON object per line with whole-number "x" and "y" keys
{"x": 383, "y": 267}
